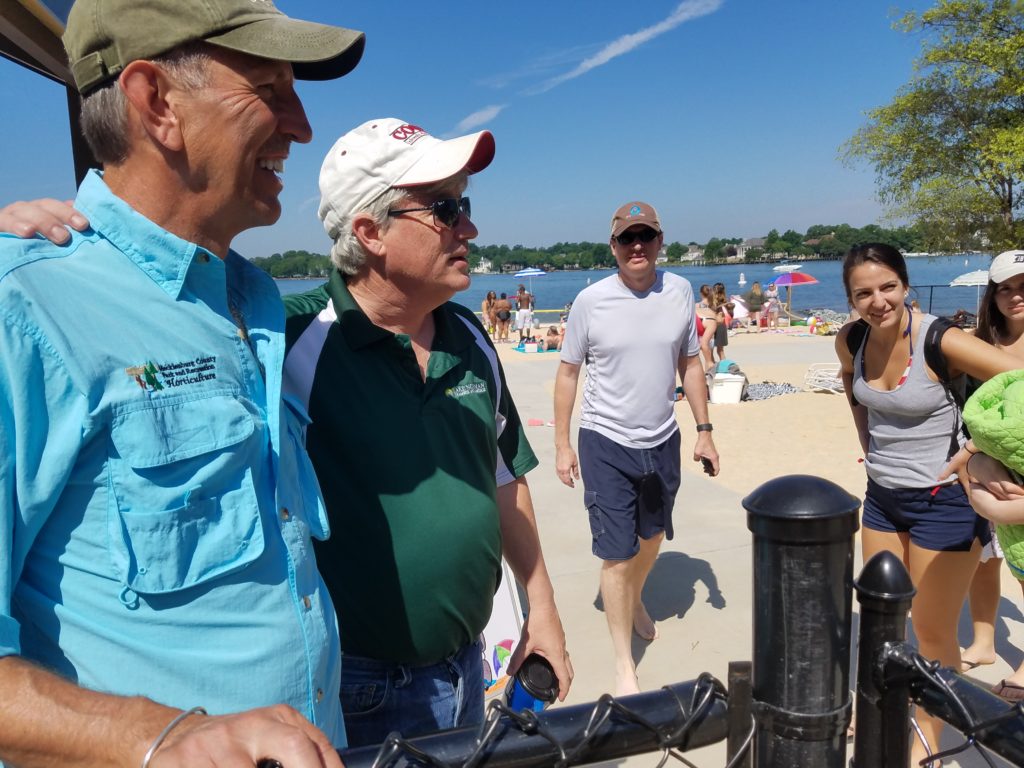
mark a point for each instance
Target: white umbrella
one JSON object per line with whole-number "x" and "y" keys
{"x": 740, "y": 311}
{"x": 977, "y": 278}
{"x": 529, "y": 272}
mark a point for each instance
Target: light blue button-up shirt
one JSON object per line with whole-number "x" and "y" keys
{"x": 156, "y": 502}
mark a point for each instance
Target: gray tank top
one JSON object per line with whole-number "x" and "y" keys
{"x": 910, "y": 426}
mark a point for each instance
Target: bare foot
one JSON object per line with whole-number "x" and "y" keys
{"x": 972, "y": 658}
{"x": 643, "y": 624}
{"x": 626, "y": 683}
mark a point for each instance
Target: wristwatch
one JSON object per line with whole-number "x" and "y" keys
{"x": 705, "y": 427}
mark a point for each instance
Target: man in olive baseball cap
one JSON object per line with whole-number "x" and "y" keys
{"x": 103, "y": 36}
{"x": 161, "y": 605}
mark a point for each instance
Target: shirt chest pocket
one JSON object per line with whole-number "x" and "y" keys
{"x": 183, "y": 507}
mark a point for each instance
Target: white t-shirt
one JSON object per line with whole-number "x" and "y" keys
{"x": 631, "y": 343}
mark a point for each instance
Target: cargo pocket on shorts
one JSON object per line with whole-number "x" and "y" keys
{"x": 594, "y": 512}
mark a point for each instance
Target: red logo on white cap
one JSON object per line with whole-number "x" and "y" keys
{"x": 410, "y": 134}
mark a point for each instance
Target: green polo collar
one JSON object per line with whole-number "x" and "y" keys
{"x": 451, "y": 336}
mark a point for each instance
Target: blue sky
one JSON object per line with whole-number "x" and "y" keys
{"x": 727, "y": 115}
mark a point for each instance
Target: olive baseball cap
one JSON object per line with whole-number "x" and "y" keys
{"x": 634, "y": 213}
{"x": 103, "y": 36}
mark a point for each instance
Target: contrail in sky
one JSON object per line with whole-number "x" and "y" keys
{"x": 685, "y": 11}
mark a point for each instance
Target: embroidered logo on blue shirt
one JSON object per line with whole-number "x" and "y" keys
{"x": 157, "y": 377}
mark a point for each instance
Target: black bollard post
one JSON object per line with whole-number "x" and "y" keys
{"x": 803, "y": 530}
{"x": 884, "y": 591}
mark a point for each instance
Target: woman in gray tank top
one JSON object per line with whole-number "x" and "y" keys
{"x": 909, "y": 426}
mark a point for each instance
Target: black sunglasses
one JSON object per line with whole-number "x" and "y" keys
{"x": 644, "y": 235}
{"x": 446, "y": 211}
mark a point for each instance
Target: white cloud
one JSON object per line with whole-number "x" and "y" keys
{"x": 478, "y": 118}
{"x": 685, "y": 11}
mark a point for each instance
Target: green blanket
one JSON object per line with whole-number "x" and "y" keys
{"x": 995, "y": 417}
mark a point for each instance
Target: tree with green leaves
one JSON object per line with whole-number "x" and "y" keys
{"x": 948, "y": 151}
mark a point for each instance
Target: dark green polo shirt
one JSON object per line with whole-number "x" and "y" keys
{"x": 409, "y": 470}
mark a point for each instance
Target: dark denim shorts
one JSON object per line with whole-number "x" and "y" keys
{"x": 629, "y": 492}
{"x": 940, "y": 518}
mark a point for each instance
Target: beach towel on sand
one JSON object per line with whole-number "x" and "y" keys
{"x": 995, "y": 416}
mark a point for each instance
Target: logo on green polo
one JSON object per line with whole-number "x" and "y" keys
{"x": 465, "y": 390}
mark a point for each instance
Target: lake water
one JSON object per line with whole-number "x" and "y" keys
{"x": 555, "y": 289}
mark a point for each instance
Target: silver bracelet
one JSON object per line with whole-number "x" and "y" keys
{"x": 163, "y": 734}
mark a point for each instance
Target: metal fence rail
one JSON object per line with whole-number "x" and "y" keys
{"x": 891, "y": 674}
{"x": 672, "y": 720}
{"x": 792, "y": 706}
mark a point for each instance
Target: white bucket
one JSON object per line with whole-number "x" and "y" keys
{"x": 727, "y": 388}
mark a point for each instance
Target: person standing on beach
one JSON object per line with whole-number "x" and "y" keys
{"x": 487, "y": 314}
{"x": 635, "y": 330}
{"x": 707, "y": 327}
{"x": 1001, "y": 324}
{"x": 524, "y": 313}
{"x": 718, "y": 302}
{"x": 416, "y": 441}
{"x": 755, "y": 302}
{"x": 503, "y": 316}
{"x": 156, "y": 533}
{"x": 909, "y": 428}
{"x": 772, "y": 306}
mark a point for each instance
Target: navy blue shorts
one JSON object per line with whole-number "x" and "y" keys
{"x": 940, "y": 520}
{"x": 629, "y": 492}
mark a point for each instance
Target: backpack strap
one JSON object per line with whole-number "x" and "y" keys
{"x": 854, "y": 339}
{"x": 956, "y": 387}
{"x": 856, "y": 336}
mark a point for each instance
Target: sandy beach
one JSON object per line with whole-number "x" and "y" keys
{"x": 699, "y": 592}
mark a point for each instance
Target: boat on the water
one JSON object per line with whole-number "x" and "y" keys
{"x": 786, "y": 267}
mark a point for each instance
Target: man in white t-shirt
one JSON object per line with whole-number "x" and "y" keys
{"x": 634, "y": 330}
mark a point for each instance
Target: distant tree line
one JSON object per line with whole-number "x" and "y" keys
{"x": 294, "y": 264}
{"x": 825, "y": 240}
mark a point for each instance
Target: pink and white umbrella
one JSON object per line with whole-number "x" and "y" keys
{"x": 789, "y": 279}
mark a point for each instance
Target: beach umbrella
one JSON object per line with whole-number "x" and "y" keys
{"x": 529, "y": 272}
{"x": 975, "y": 279}
{"x": 789, "y": 279}
{"x": 740, "y": 311}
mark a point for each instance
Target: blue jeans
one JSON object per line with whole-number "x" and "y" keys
{"x": 378, "y": 697}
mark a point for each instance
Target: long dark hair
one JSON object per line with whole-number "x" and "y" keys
{"x": 991, "y": 322}
{"x": 879, "y": 253}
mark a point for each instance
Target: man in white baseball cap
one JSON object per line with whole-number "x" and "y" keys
{"x": 416, "y": 442}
